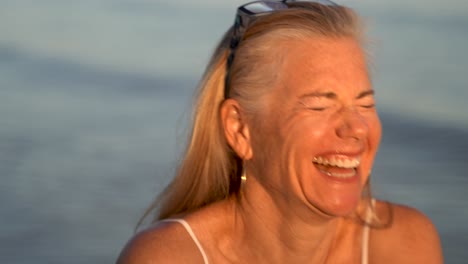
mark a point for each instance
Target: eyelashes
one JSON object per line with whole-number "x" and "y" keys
{"x": 323, "y": 108}
{"x": 317, "y": 109}
{"x": 369, "y": 106}
{"x": 323, "y": 105}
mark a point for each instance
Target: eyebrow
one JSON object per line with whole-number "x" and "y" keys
{"x": 329, "y": 95}
{"x": 332, "y": 95}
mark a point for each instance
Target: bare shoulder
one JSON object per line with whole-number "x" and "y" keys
{"x": 410, "y": 237}
{"x": 165, "y": 242}
{"x": 170, "y": 241}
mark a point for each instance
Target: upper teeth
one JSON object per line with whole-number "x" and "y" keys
{"x": 347, "y": 163}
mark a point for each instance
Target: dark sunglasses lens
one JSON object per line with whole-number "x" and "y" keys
{"x": 264, "y": 7}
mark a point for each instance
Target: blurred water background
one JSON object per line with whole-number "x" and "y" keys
{"x": 94, "y": 96}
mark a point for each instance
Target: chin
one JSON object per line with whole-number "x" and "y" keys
{"x": 339, "y": 207}
{"x": 343, "y": 208}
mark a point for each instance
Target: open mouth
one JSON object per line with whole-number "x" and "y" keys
{"x": 339, "y": 167}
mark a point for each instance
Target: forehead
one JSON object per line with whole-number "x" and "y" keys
{"x": 329, "y": 60}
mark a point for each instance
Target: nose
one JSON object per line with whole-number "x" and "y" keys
{"x": 352, "y": 125}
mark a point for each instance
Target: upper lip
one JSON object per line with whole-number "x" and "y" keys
{"x": 338, "y": 160}
{"x": 344, "y": 154}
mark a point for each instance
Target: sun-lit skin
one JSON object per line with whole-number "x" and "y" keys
{"x": 322, "y": 106}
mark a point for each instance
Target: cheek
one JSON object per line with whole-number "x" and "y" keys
{"x": 306, "y": 127}
{"x": 265, "y": 142}
{"x": 311, "y": 134}
{"x": 375, "y": 132}
{"x": 373, "y": 142}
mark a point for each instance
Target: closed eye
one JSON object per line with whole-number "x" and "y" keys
{"x": 368, "y": 106}
{"x": 316, "y": 103}
{"x": 318, "y": 109}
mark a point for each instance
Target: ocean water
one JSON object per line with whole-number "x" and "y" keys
{"x": 95, "y": 97}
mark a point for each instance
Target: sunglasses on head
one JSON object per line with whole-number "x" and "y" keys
{"x": 246, "y": 15}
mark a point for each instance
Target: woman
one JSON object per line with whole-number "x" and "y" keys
{"x": 278, "y": 163}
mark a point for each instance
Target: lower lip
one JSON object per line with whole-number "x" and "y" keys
{"x": 341, "y": 179}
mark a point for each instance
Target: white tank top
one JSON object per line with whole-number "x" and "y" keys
{"x": 365, "y": 236}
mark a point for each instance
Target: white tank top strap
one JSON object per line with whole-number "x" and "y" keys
{"x": 365, "y": 235}
{"x": 192, "y": 235}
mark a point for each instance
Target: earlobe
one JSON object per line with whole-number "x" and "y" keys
{"x": 236, "y": 129}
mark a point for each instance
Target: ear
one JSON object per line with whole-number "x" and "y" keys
{"x": 236, "y": 129}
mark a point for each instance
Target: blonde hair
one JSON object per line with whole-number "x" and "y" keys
{"x": 210, "y": 170}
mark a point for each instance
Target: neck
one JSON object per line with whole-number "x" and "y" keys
{"x": 280, "y": 231}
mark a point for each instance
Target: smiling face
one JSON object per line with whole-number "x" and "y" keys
{"x": 316, "y": 138}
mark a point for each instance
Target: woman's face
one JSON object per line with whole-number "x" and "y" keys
{"x": 316, "y": 138}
